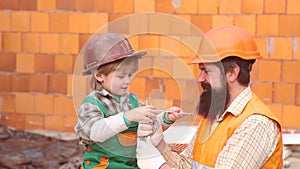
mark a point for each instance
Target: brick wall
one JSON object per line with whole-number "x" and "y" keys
{"x": 40, "y": 41}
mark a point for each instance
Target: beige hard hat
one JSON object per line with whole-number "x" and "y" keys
{"x": 225, "y": 41}
{"x": 106, "y": 48}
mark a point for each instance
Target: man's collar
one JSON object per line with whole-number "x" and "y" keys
{"x": 238, "y": 104}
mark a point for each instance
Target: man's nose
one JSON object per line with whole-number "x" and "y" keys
{"x": 202, "y": 77}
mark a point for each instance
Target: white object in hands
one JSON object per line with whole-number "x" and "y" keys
{"x": 148, "y": 157}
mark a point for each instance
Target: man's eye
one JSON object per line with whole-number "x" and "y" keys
{"x": 120, "y": 77}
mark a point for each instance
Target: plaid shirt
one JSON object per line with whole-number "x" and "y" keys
{"x": 89, "y": 114}
{"x": 250, "y": 146}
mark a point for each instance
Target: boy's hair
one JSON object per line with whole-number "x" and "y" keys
{"x": 106, "y": 69}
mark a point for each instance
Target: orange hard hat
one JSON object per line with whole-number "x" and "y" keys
{"x": 106, "y": 48}
{"x": 224, "y": 41}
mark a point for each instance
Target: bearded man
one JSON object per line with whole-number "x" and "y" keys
{"x": 236, "y": 130}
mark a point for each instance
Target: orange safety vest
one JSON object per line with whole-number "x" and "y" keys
{"x": 206, "y": 153}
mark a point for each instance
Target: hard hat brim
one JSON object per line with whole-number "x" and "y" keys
{"x": 134, "y": 54}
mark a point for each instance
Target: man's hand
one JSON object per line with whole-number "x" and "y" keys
{"x": 153, "y": 130}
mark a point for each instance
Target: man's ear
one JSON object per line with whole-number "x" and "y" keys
{"x": 233, "y": 74}
{"x": 99, "y": 76}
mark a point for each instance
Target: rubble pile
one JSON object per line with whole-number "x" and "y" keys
{"x": 22, "y": 149}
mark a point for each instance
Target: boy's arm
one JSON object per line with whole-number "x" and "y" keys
{"x": 91, "y": 123}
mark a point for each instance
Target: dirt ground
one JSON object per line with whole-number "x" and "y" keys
{"x": 24, "y": 150}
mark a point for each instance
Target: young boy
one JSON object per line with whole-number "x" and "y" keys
{"x": 109, "y": 115}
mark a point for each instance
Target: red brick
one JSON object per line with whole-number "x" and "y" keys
{"x": 27, "y": 5}
{"x": 269, "y": 71}
{"x": 5, "y": 17}
{"x": 30, "y": 42}
{"x": 207, "y": 7}
{"x": 263, "y": 91}
{"x": 292, "y": 7}
{"x": 97, "y": 21}
{"x": 173, "y": 89}
{"x": 39, "y": 22}
{"x": 291, "y": 116}
{"x": 170, "y": 45}
{"x": 25, "y": 63}
{"x": 69, "y": 123}
{"x": 68, "y": 43}
{"x": 204, "y": 23}
{"x": 263, "y": 25}
{"x": 275, "y": 6}
{"x": 180, "y": 26}
{"x": 63, "y": 64}
{"x": 123, "y": 6}
{"x": 296, "y": 48}
{"x": 138, "y": 86}
{"x": 83, "y": 38}
{"x": 49, "y": 43}
{"x": 84, "y": 5}
{"x": 8, "y": 103}
{"x": 43, "y": 104}
{"x": 38, "y": 83}
{"x": 289, "y": 25}
{"x": 46, "y": 5}
{"x": 7, "y": 62}
{"x": 63, "y": 105}
{"x": 254, "y": 72}
{"x": 220, "y": 20}
{"x": 290, "y": 71}
{"x": 20, "y": 21}
{"x": 282, "y": 48}
{"x": 284, "y": 94}
{"x": 5, "y": 85}
{"x": 252, "y": 6}
{"x": 58, "y": 84}
{"x": 9, "y": 4}
{"x": 44, "y": 63}
{"x": 277, "y": 110}
{"x": 34, "y": 122}
{"x": 230, "y": 7}
{"x": 20, "y": 82}
{"x": 11, "y": 41}
{"x": 246, "y": 22}
{"x": 16, "y": 120}
{"x": 78, "y": 27}
{"x": 104, "y": 6}
{"x": 152, "y": 84}
{"x": 120, "y": 25}
{"x": 24, "y": 103}
{"x": 66, "y": 5}
{"x": 59, "y": 22}
{"x": 164, "y": 6}
{"x": 187, "y": 7}
{"x": 54, "y": 123}
{"x": 297, "y": 94}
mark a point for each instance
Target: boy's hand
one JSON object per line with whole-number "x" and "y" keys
{"x": 144, "y": 113}
{"x": 153, "y": 130}
{"x": 174, "y": 114}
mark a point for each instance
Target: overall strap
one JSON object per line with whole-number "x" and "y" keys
{"x": 92, "y": 99}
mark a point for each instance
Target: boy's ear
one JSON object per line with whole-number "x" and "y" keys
{"x": 99, "y": 76}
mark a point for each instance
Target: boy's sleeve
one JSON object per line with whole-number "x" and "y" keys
{"x": 91, "y": 123}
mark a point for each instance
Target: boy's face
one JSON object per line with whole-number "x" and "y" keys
{"x": 117, "y": 82}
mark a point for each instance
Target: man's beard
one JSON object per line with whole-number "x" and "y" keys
{"x": 212, "y": 102}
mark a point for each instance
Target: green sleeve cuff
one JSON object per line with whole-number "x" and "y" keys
{"x": 166, "y": 120}
{"x": 129, "y": 124}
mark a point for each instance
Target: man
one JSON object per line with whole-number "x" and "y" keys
{"x": 236, "y": 130}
